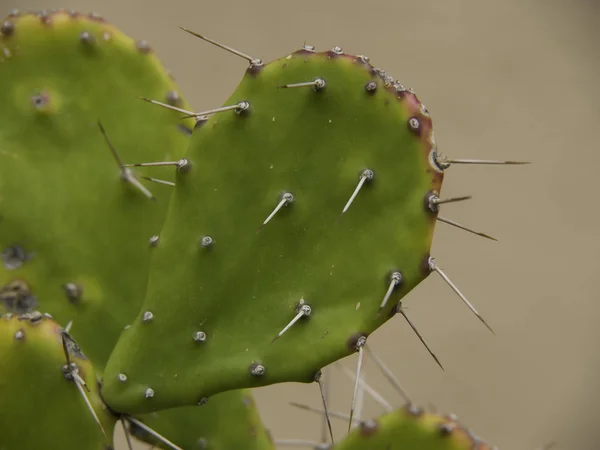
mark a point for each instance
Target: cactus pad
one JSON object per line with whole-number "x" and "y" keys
{"x": 299, "y": 152}
{"x": 227, "y": 421}
{"x": 411, "y": 428}
{"x": 40, "y": 407}
{"x": 71, "y": 226}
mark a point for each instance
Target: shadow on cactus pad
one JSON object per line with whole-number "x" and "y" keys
{"x": 229, "y": 420}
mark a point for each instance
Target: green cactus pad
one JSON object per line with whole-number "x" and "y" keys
{"x": 227, "y": 421}
{"x": 39, "y": 406}
{"x": 73, "y": 234}
{"x": 411, "y": 428}
{"x": 218, "y": 271}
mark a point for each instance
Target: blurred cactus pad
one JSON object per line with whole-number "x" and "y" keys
{"x": 412, "y": 428}
{"x": 74, "y": 225}
{"x": 40, "y": 406}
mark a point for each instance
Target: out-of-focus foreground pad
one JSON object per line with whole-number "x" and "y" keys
{"x": 228, "y": 421}
{"x": 73, "y": 234}
{"x": 412, "y": 429}
{"x": 219, "y": 272}
{"x": 39, "y": 406}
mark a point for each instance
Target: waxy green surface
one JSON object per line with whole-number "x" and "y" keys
{"x": 245, "y": 287}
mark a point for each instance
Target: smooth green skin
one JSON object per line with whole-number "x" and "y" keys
{"x": 403, "y": 430}
{"x": 39, "y": 408}
{"x": 61, "y": 195}
{"x": 229, "y": 421}
{"x": 244, "y": 290}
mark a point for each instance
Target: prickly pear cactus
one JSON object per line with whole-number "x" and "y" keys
{"x": 42, "y": 402}
{"x": 229, "y": 420}
{"x": 308, "y": 203}
{"x": 75, "y": 225}
{"x": 303, "y": 212}
{"x": 411, "y": 428}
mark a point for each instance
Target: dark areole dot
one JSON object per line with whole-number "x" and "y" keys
{"x": 39, "y": 100}
{"x": 257, "y": 370}
{"x": 7, "y": 28}
{"x": 44, "y": 17}
{"x": 414, "y": 126}
{"x": 369, "y": 428}
{"x": 13, "y": 257}
{"x": 86, "y": 37}
{"x": 371, "y": 87}
{"x": 143, "y": 47}
{"x": 353, "y": 340}
{"x": 446, "y": 429}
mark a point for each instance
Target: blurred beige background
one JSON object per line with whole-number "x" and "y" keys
{"x": 511, "y": 79}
